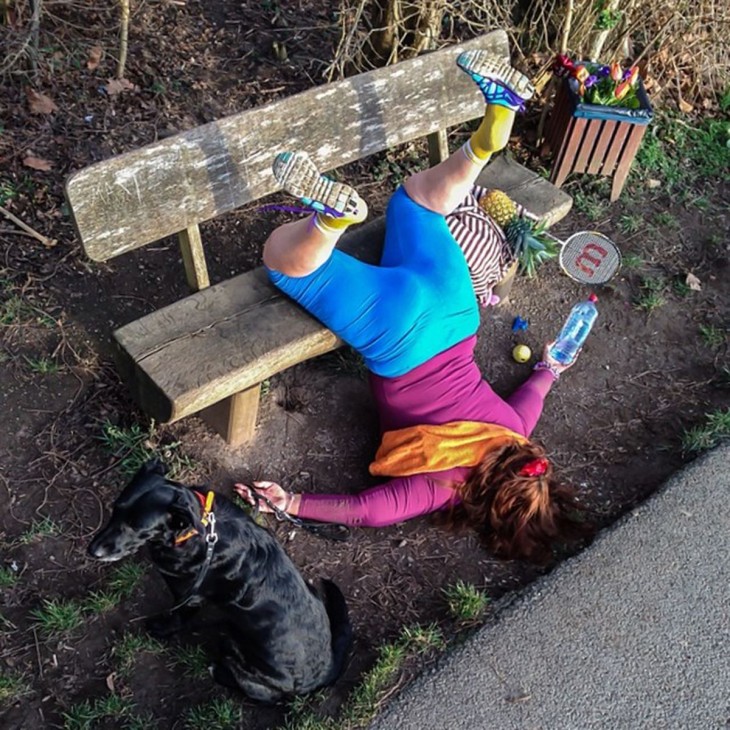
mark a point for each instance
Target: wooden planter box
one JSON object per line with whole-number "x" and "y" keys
{"x": 599, "y": 140}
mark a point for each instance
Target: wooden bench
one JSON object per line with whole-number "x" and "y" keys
{"x": 208, "y": 353}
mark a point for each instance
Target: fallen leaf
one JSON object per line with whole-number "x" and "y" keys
{"x": 117, "y": 86}
{"x": 110, "y": 681}
{"x": 37, "y": 163}
{"x": 693, "y": 282}
{"x": 94, "y": 57}
{"x": 40, "y": 103}
{"x": 652, "y": 183}
{"x": 685, "y": 106}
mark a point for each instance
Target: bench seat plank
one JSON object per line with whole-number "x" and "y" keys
{"x": 232, "y": 336}
{"x": 158, "y": 190}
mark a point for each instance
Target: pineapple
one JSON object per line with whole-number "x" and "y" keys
{"x": 529, "y": 243}
{"x": 499, "y": 207}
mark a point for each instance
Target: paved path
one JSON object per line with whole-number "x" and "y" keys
{"x": 632, "y": 633}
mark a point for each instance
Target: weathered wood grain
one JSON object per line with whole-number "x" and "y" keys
{"x": 232, "y": 336}
{"x": 193, "y": 255}
{"x": 142, "y": 196}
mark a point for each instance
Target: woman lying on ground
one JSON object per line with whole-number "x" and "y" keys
{"x": 449, "y": 443}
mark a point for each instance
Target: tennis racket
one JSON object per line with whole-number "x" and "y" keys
{"x": 589, "y": 257}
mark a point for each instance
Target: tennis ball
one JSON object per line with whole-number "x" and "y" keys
{"x": 521, "y": 353}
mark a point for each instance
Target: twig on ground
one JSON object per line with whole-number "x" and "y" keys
{"x": 49, "y": 242}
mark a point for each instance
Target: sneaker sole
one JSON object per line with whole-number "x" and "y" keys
{"x": 299, "y": 176}
{"x": 487, "y": 65}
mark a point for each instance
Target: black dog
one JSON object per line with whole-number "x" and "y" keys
{"x": 280, "y": 636}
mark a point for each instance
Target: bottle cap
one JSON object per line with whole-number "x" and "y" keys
{"x": 592, "y": 298}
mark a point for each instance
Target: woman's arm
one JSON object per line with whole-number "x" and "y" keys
{"x": 393, "y": 501}
{"x": 527, "y": 401}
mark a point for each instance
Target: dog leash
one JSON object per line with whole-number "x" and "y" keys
{"x": 327, "y": 530}
{"x": 211, "y": 538}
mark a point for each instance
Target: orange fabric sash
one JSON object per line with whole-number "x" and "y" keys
{"x": 420, "y": 449}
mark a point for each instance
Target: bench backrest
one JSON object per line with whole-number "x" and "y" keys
{"x": 170, "y": 186}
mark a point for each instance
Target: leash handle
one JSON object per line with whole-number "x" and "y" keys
{"x": 328, "y": 530}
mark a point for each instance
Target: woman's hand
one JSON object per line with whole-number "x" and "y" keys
{"x": 558, "y": 367}
{"x": 273, "y": 492}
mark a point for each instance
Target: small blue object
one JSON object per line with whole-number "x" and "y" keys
{"x": 519, "y": 325}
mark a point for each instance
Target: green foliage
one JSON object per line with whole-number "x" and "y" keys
{"x": 13, "y": 686}
{"x": 715, "y": 430}
{"x": 591, "y": 201}
{"x": 632, "y": 261}
{"x": 125, "y": 579}
{"x": 651, "y": 295}
{"x": 42, "y": 365}
{"x": 630, "y": 223}
{"x": 530, "y": 244}
{"x": 685, "y": 155}
{"x": 364, "y": 702}
{"x": 58, "y": 617}
{"x": 218, "y": 714}
{"x": 8, "y": 578}
{"x": 466, "y": 602}
{"x": 193, "y": 659}
{"x": 88, "y": 714}
{"x": 129, "y": 648}
{"x": 134, "y": 446}
{"x": 608, "y": 19}
{"x": 664, "y": 219}
{"x": 714, "y": 337}
{"x": 45, "y": 527}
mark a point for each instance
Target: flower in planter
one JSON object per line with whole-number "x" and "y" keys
{"x": 527, "y": 239}
{"x": 595, "y": 83}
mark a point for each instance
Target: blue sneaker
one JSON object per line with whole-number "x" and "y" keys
{"x": 299, "y": 176}
{"x": 498, "y": 81}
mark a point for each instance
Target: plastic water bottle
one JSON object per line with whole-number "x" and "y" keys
{"x": 575, "y": 331}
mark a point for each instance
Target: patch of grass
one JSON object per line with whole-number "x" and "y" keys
{"x": 43, "y": 365}
{"x": 13, "y": 310}
{"x": 57, "y": 617}
{"x": 127, "y": 651}
{"x": 88, "y": 714}
{"x": 651, "y": 296}
{"x": 363, "y": 704}
{"x": 13, "y": 686}
{"x": 125, "y": 579}
{"x": 592, "y": 205}
{"x": 39, "y": 529}
{"x": 681, "y": 288}
{"x": 424, "y": 638}
{"x": 466, "y": 602}
{"x": 715, "y": 430}
{"x": 8, "y": 578}
{"x": 632, "y": 261}
{"x": 684, "y": 155}
{"x": 713, "y": 336}
{"x": 664, "y": 219}
{"x": 630, "y": 223}
{"x": 134, "y": 446}
{"x": 218, "y": 714}
{"x": 193, "y": 659}
{"x": 7, "y": 192}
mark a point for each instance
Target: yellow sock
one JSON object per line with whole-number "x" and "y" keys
{"x": 493, "y": 133}
{"x": 331, "y": 223}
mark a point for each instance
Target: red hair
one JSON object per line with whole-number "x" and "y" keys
{"x": 519, "y": 511}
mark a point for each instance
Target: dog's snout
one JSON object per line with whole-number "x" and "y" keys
{"x": 102, "y": 548}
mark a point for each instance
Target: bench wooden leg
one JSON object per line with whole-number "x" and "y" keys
{"x": 234, "y": 418}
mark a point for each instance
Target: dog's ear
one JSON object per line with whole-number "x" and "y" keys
{"x": 184, "y": 510}
{"x": 155, "y": 466}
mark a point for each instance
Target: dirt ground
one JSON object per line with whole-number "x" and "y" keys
{"x": 613, "y": 425}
